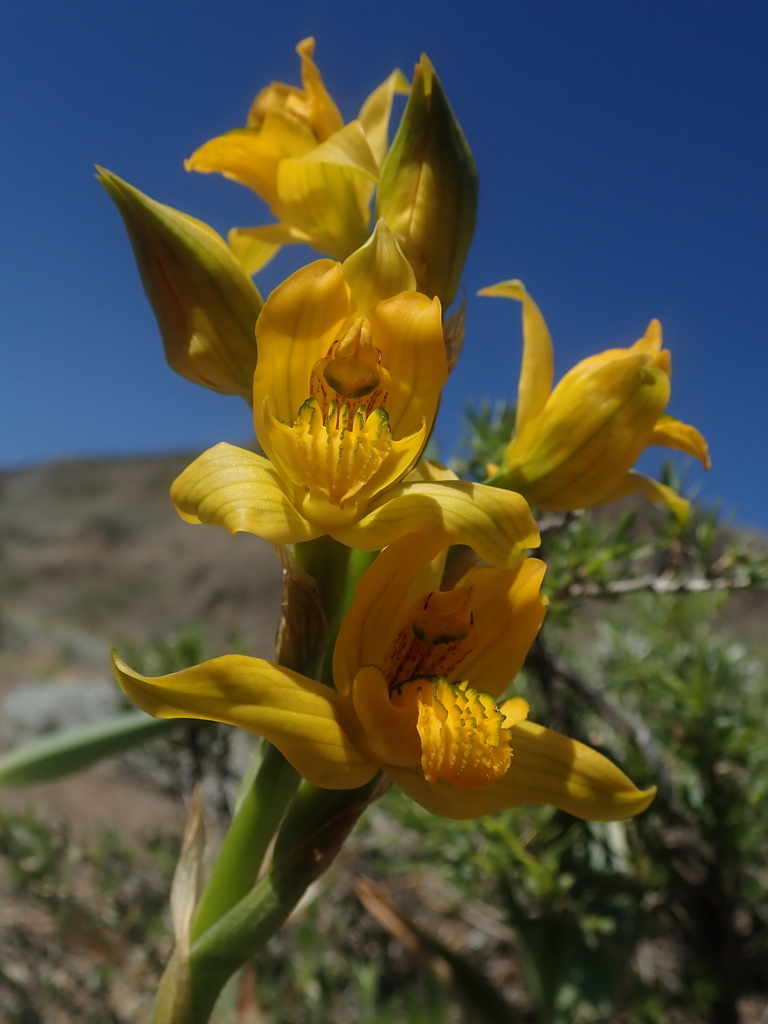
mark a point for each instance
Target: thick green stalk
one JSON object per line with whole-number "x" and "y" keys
{"x": 315, "y": 827}
{"x": 234, "y": 873}
{"x": 327, "y": 561}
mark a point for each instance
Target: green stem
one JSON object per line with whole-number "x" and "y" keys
{"x": 337, "y": 570}
{"x": 315, "y": 827}
{"x": 327, "y": 561}
{"x": 256, "y": 818}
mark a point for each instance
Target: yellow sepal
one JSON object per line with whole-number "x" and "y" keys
{"x": 375, "y": 112}
{"x": 671, "y": 433}
{"x": 428, "y": 187}
{"x": 251, "y": 156}
{"x": 636, "y": 483}
{"x": 320, "y": 111}
{"x": 239, "y": 490}
{"x": 595, "y": 425}
{"x": 326, "y": 192}
{"x": 299, "y": 716}
{"x": 538, "y": 363}
{"x": 255, "y": 247}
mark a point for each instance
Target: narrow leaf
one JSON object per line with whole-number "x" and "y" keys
{"x": 73, "y": 749}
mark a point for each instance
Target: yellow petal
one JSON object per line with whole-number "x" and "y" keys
{"x": 378, "y": 270}
{"x": 634, "y": 483}
{"x": 547, "y": 768}
{"x": 430, "y": 471}
{"x": 651, "y": 341}
{"x": 348, "y": 147}
{"x": 409, "y": 567}
{"x": 515, "y": 710}
{"x": 508, "y": 612}
{"x": 239, "y": 490}
{"x": 299, "y": 321}
{"x": 299, "y": 716}
{"x": 671, "y": 433}
{"x": 278, "y": 97}
{"x": 326, "y": 193}
{"x": 497, "y": 524}
{"x": 383, "y": 731}
{"x": 311, "y": 106}
{"x": 538, "y": 364}
{"x": 255, "y": 247}
{"x": 595, "y": 425}
{"x": 251, "y": 156}
{"x": 648, "y": 345}
{"x": 322, "y": 113}
{"x": 408, "y": 331}
{"x": 375, "y": 112}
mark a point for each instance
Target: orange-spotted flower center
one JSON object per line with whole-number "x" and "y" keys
{"x": 351, "y": 374}
{"x": 464, "y": 734}
{"x": 340, "y": 449}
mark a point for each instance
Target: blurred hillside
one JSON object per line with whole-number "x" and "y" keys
{"x": 92, "y": 553}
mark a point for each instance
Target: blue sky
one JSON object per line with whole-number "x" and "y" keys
{"x": 622, "y": 149}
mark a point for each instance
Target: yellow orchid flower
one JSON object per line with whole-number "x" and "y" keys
{"x": 419, "y": 675}
{"x": 346, "y": 388}
{"x": 574, "y": 446}
{"x": 316, "y": 174}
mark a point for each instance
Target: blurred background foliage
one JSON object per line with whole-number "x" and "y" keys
{"x": 527, "y": 916}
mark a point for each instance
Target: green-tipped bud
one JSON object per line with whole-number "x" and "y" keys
{"x": 206, "y": 306}
{"x": 428, "y": 188}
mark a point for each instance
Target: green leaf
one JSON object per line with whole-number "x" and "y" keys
{"x": 73, "y": 749}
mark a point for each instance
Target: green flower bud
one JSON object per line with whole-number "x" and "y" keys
{"x": 205, "y": 304}
{"x": 428, "y": 188}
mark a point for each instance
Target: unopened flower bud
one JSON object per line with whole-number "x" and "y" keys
{"x": 205, "y": 304}
{"x": 428, "y": 188}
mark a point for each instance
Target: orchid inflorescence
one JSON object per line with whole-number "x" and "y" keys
{"x": 411, "y": 671}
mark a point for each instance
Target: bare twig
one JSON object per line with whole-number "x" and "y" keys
{"x": 663, "y": 584}
{"x": 481, "y": 999}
